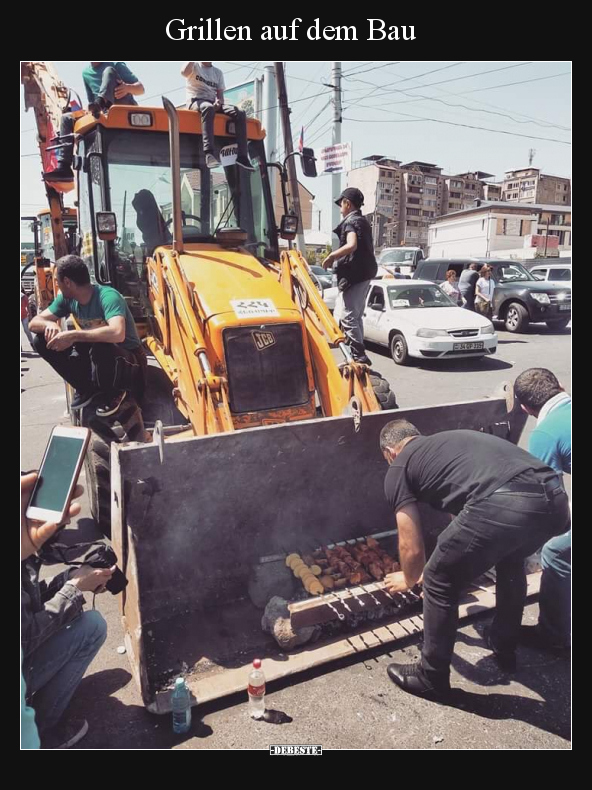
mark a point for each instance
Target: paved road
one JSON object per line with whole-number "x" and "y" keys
{"x": 352, "y": 705}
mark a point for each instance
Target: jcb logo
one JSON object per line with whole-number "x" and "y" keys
{"x": 263, "y": 340}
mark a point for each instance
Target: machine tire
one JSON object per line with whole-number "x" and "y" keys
{"x": 125, "y": 426}
{"x": 382, "y": 389}
{"x": 558, "y": 326}
{"x": 399, "y": 350}
{"x": 516, "y": 318}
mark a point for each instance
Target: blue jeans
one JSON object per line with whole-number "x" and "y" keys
{"x": 555, "y": 595}
{"x": 502, "y": 530}
{"x": 54, "y": 670}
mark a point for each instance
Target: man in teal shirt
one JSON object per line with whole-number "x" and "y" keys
{"x": 106, "y": 83}
{"x": 542, "y": 396}
{"x": 102, "y": 358}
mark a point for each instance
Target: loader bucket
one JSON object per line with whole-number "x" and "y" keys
{"x": 203, "y": 534}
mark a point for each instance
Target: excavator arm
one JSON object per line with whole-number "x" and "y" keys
{"x": 48, "y": 97}
{"x": 336, "y": 384}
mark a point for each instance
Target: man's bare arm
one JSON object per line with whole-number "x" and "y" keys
{"x": 187, "y": 68}
{"x": 411, "y": 546}
{"x": 45, "y": 323}
{"x": 114, "y": 332}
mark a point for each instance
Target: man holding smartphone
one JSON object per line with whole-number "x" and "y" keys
{"x": 58, "y": 639}
{"x": 102, "y": 359}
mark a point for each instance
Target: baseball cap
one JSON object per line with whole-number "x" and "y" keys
{"x": 353, "y": 195}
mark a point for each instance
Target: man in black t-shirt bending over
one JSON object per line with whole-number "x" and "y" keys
{"x": 504, "y": 504}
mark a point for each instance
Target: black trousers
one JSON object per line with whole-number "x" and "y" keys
{"x": 208, "y": 113}
{"x": 97, "y": 367}
{"x": 500, "y": 530}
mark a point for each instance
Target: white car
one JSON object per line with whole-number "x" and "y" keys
{"x": 415, "y": 318}
{"x": 330, "y": 295}
{"x": 553, "y": 272}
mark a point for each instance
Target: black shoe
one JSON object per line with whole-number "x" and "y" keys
{"x": 534, "y": 636}
{"x": 81, "y": 399}
{"x": 363, "y": 360}
{"x": 63, "y": 736}
{"x": 506, "y": 659}
{"x": 94, "y": 108}
{"x": 61, "y": 173}
{"x": 110, "y": 406}
{"x": 409, "y": 678}
{"x": 244, "y": 162}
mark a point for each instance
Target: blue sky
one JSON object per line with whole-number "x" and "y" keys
{"x": 408, "y": 110}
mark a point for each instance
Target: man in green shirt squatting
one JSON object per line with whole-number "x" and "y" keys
{"x": 102, "y": 359}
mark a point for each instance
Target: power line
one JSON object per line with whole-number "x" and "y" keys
{"x": 507, "y": 84}
{"x": 416, "y": 76}
{"x": 453, "y": 79}
{"x": 350, "y": 74}
{"x": 451, "y": 123}
{"x": 471, "y": 109}
{"x": 420, "y": 97}
{"x": 360, "y": 65}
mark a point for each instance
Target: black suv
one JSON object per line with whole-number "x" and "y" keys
{"x": 518, "y": 298}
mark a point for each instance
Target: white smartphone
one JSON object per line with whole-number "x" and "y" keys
{"x": 58, "y": 474}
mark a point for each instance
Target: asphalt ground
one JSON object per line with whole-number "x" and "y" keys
{"x": 352, "y": 704}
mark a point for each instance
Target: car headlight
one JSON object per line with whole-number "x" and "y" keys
{"x": 431, "y": 333}
{"x": 487, "y": 330}
{"x": 541, "y": 298}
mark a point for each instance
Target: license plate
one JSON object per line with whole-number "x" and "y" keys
{"x": 565, "y": 307}
{"x": 468, "y": 346}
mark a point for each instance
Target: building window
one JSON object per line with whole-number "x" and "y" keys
{"x": 430, "y": 180}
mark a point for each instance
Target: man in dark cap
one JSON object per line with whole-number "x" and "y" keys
{"x": 356, "y": 266}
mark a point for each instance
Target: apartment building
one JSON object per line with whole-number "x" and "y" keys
{"x": 529, "y": 185}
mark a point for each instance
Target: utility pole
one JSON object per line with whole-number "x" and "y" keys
{"x": 269, "y": 118}
{"x": 291, "y": 164}
{"x": 336, "y": 138}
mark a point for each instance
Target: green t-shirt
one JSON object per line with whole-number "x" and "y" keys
{"x": 106, "y": 303}
{"x": 93, "y": 76}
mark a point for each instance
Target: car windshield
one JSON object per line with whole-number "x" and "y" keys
{"x": 398, "y": 256}
{"x": 319, "y": 270}
{"x": 140, "y": 192}
{"x": 404, "y": 297}
{"x": 511, "y": 272}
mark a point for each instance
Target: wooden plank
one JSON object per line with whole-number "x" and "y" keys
{"x": 222, "y": 683}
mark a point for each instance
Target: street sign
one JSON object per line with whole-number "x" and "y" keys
{"x": 335, "y": 159}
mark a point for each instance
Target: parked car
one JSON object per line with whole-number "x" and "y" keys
{"x": 417, "y": 319}
{"x": 325, "y": 277}
{"x": 518, "y": 298}
{"x": 553, "y": 273}
{"x": 405, "y": 257}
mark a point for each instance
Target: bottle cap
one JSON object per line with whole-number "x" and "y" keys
{"x": 179, "y": 682}
{"x": 257, "y": 663}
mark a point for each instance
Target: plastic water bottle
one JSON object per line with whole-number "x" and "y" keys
{"x": 181, "y": 702}
{"x": 256, "y": 691}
